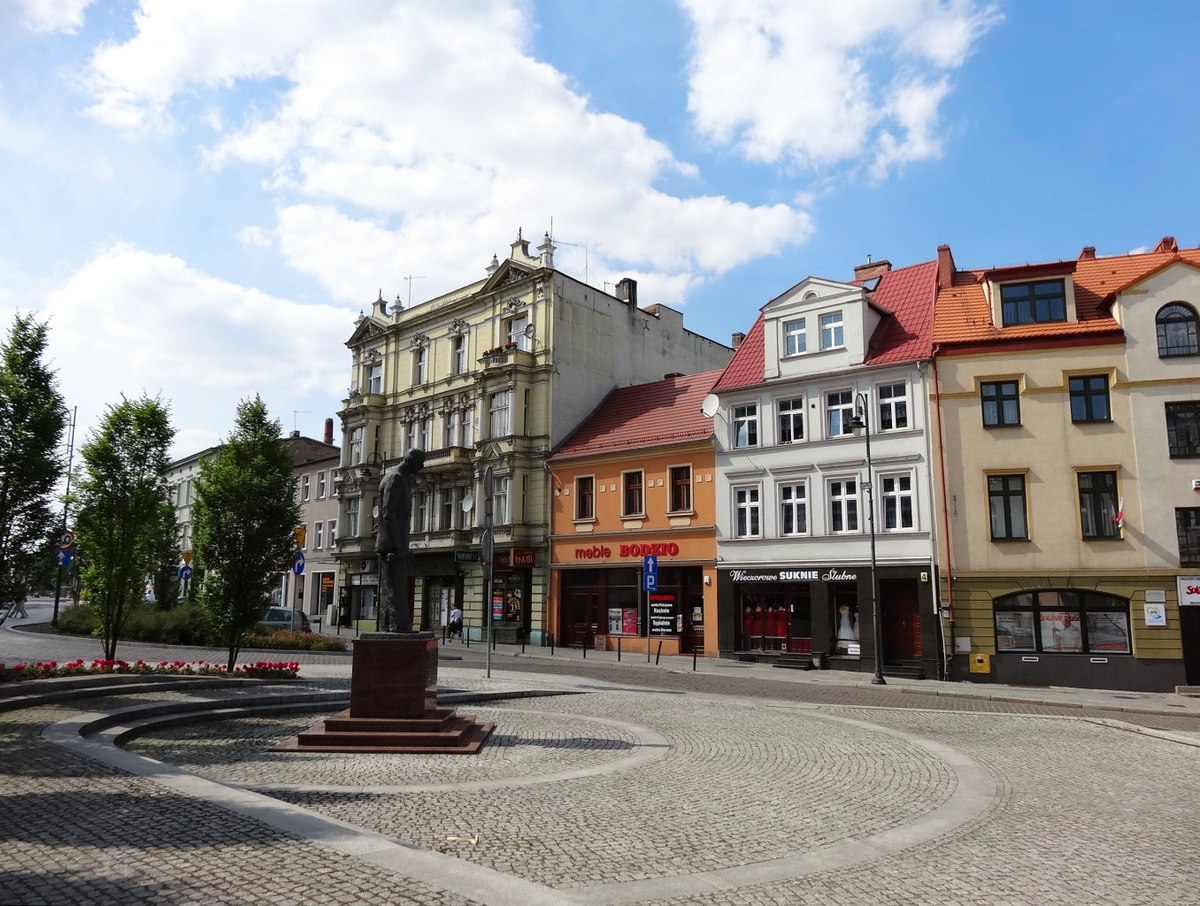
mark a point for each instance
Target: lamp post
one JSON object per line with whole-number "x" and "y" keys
{"x": 861, "y": 424}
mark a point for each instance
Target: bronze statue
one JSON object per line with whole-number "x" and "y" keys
{"x": 391, "y": 543}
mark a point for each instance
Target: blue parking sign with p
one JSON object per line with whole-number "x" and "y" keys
{"x": 650, "y": 573}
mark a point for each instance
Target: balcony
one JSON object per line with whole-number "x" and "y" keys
{"x": 448, "y": 458}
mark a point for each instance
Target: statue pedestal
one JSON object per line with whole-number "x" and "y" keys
{"x": 393, "y": 704}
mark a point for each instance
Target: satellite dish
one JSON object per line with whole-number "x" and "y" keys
{"x": 711, "y": 404}
{"x": 374, "y": 512}
{"x": 530, "y": 330}
{"x": 468, "y": 503}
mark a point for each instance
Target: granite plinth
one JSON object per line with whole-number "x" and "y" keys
{"x": 441, "y": 732}
{"x": 394, "y": 674}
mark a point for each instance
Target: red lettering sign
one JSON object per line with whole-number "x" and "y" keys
{"x": 658, "y": 549}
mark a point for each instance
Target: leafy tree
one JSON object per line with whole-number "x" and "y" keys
{"x": 121, "y": 497}
{"x": 166, "y": 559}
{"x": 33, "y": 419}
{"x": 242, "y": 522}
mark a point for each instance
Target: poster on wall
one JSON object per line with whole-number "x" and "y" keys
{"x": 1156, "y": 614}
{"x": 662, "y": 614}
{"x": 1189, "y": 591}
{"x": 614, "y": 621}
{"x": 629, "y": 621}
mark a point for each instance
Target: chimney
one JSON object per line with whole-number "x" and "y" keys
{"x": 1167, "y": 244}
{"x": 295, "y": 434}
{"x": 626, "y": 291}
{"x": 871, "y": 269}
{"x": 1087, "y": 253}
{"x": 737, "y": 339}
{"x": 328, "y": 437}
{"x": 671, "y": 375}
{"x": 945, "y": 267}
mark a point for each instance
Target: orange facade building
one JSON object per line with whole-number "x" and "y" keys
{"x": 633, "y": 492}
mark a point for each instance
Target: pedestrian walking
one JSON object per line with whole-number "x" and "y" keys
{"x": 19, "y": 610}
{"x": 456, "y": 627}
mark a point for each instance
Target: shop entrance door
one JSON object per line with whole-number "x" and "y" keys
{"x": 580, "y": 620}
{"x": 901, "y": 618}
{"x": 1189, "y": 630}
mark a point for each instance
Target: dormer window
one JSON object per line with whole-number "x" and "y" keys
{"x": 1035, "y": 302}
{"x": 1176, "y": 325}
{"x": 794, "y": 338}
{"x": 832, "y": 333}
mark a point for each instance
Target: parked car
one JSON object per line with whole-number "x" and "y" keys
{"x": 277, "y": 618}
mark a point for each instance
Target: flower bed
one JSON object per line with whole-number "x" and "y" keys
{"x": 49, "y": 669}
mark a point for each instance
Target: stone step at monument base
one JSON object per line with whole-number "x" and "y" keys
{"x": 440, "y": 732}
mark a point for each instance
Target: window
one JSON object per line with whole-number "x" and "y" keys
{"x": 1089, "y": 398}
{"x": 791, "y": 420}
{"x": 352, "y": 506}
{"x": 1183, "y": 430}
{"x": 304, "y": 488}
{"x": 320, "y": 485}
{"x": 1038, "y": 302}
{"x": 843, "y": 505}
{"x": 746, "y": 513}
{"x": 1069, "y": 621}
{"x": 420, "y": 511}
{"x": 450, "y": 428}
{"x": 467, "y": 426}
{"x": 745, "y": 425}
{"x": 446, "y": 519}
{"x": 1176, "y": 325}
{"x": 896, "y": 501}
{"x": 1187, "y": 531}
{"x": 498, "y": 412}
{"x": 420, "y": 364}
{"x": 332, "y": 532}
{"x": 356, "y": 445}
{"x": 793, "y": 509}
{"x": 893, "y": 406}
{"x": 375, "y": 382}
{"x": 426, "y": 437}
{"x": 501, "y": 514}
{"x": 585, "y": 497}
{"x": 410, "y": 433}
{"x": 839, "y": 409}
{"x": 515, "y": 331}
{"x": 632, "y": 501}
{"x": 794, "y": 340}
{"x": 680, "y": 478}
{"x": 458, "y": 354}
{"x": 1001, "y": 403}
{"x": 1098, "y": 505}
{"x": 832, "y": 336}
{"x": 318, "y": 535}
{"x": 1006, "y": 505}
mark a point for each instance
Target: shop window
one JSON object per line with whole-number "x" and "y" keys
{"x": 585, "y": 497}
{"x": 680, "y": 478}
{"x": 1177, "y": 334}
{"x": 1062, "y": 621}
{"x": 1001, "y": 403}
{"x": 791, "y": 420}
{"x": 1183, "y": 430}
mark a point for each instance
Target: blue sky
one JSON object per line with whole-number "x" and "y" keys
{"x": 201, "y": 195}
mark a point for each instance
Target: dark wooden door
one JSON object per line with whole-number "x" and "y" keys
{"x": 901, "y": 618}
{"x": 580, "y": 618}
{"x": 1189, "y": 630}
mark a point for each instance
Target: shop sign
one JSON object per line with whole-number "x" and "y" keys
{"x": 826, "y": 574}
{"x": 466, "y": 556}
{"x": 604, "y": 552}
{"x": 517, "y": 558}
{"x": 364, "y": 579}
{"x": 662, "y": 614}
{"x": 1189, "y": 591}
{"x": 326, "y": 582}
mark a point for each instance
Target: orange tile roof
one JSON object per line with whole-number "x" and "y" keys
{"x": 907, "y": 294}
{"x": 964, "y": 316}
{"x": 645, "y": 415}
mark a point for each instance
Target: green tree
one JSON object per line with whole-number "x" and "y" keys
{"x": 33, "y": 419}
{"x": 166, "y": 559}
{"x": 121, "y": 497}
{"x": 242, "y": 522}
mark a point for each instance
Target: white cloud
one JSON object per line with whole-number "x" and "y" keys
{"x": 129, "y": 322}
{"x": 822, "y": 83}
{"x": 53, "y": 15}
{"x": 411, "y": 138}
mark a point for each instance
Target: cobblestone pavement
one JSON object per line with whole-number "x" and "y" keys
{"x": 660, "y": 787}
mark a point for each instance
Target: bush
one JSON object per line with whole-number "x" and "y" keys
{"x": 292, "y": 641}
{"x": 49, "y": 669}
{"x": 79, "y": 619}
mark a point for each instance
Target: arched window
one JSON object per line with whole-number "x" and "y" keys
{"x": 1062, "y": 621}
{"x": 1176, "y": 330}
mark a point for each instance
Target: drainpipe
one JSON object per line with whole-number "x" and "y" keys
{"x": 947, "y": 655}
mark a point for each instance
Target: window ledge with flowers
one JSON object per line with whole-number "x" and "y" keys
{"x": 499, "y": 352}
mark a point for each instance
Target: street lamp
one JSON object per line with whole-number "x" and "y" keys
{"x": 488, "y": 555}
{"x": 860, "y": 424}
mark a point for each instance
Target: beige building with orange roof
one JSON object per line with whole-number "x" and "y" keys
{"x": 1066, "y": 398}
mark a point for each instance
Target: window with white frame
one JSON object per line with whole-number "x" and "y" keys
{"x": 352, "y": 508}
{"x": 467, "y": 427}
{"x": 747, "y": 512}
{"x": 375, "y": 383}
{"x": 896, "y": 501}
{"x": 356, "y": 445}
{"x": 450, "y": 428}
{"x": 793, "y": 508}
{"x": 498, "y": 410}
{"x": 839, "y": 410}
{"x": 893, "y": 406}
{"x": 458, "y": 354}
{"x": 446, "y": 519}
{"x": 426, "y": 437}
{"x": 745, "y": 425}
{"x": 515, "y": 331}
{"x": 843, "y": 505}
{"x": 791, "y": 420}
{"x": 420, "y": 364}
{"x": 318, "y": 535}
{"x": 304, "y": 488}
{"x": 832, "y": 334}
{"x": 410, "y": 433}
{"x": 332, "y": 532}
{"x": 460, "y": 494}
{"x": 501, "y": 512}
{"x": 321, "y": 485}
{"x": 794, "y": 339}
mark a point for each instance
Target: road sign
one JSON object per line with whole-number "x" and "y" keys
{"x": 187, "y": 558}
{"x": 67, "y": 540}
{"x": 650, "y": 573}
{"x": 64, "y": 557}
{"x": 298, "y": 566}
{"x": 185, "y": 573}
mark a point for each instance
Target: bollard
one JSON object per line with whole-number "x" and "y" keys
{"x": 466, "y": 634}
{"x": 522, "y": 643}
{"x": 552, "y": 644}
{"x": 585, "y": 646}
{"x": 657, "y": 656}
{"x": 618, "y": 649}
{"x": 693, "y": 658}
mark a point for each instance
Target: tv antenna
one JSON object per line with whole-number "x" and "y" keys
{"x": 583, "y": 245}
{"x": 295, "y": 420}
{"x": 409, "y": 279}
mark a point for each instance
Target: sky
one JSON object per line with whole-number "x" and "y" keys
{"x": 200, "y": 196}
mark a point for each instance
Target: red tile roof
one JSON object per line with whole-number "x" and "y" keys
{"x": 964, "y": 316}
{"x": 645, "y": 415}
{"x": 907, "y": 296}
